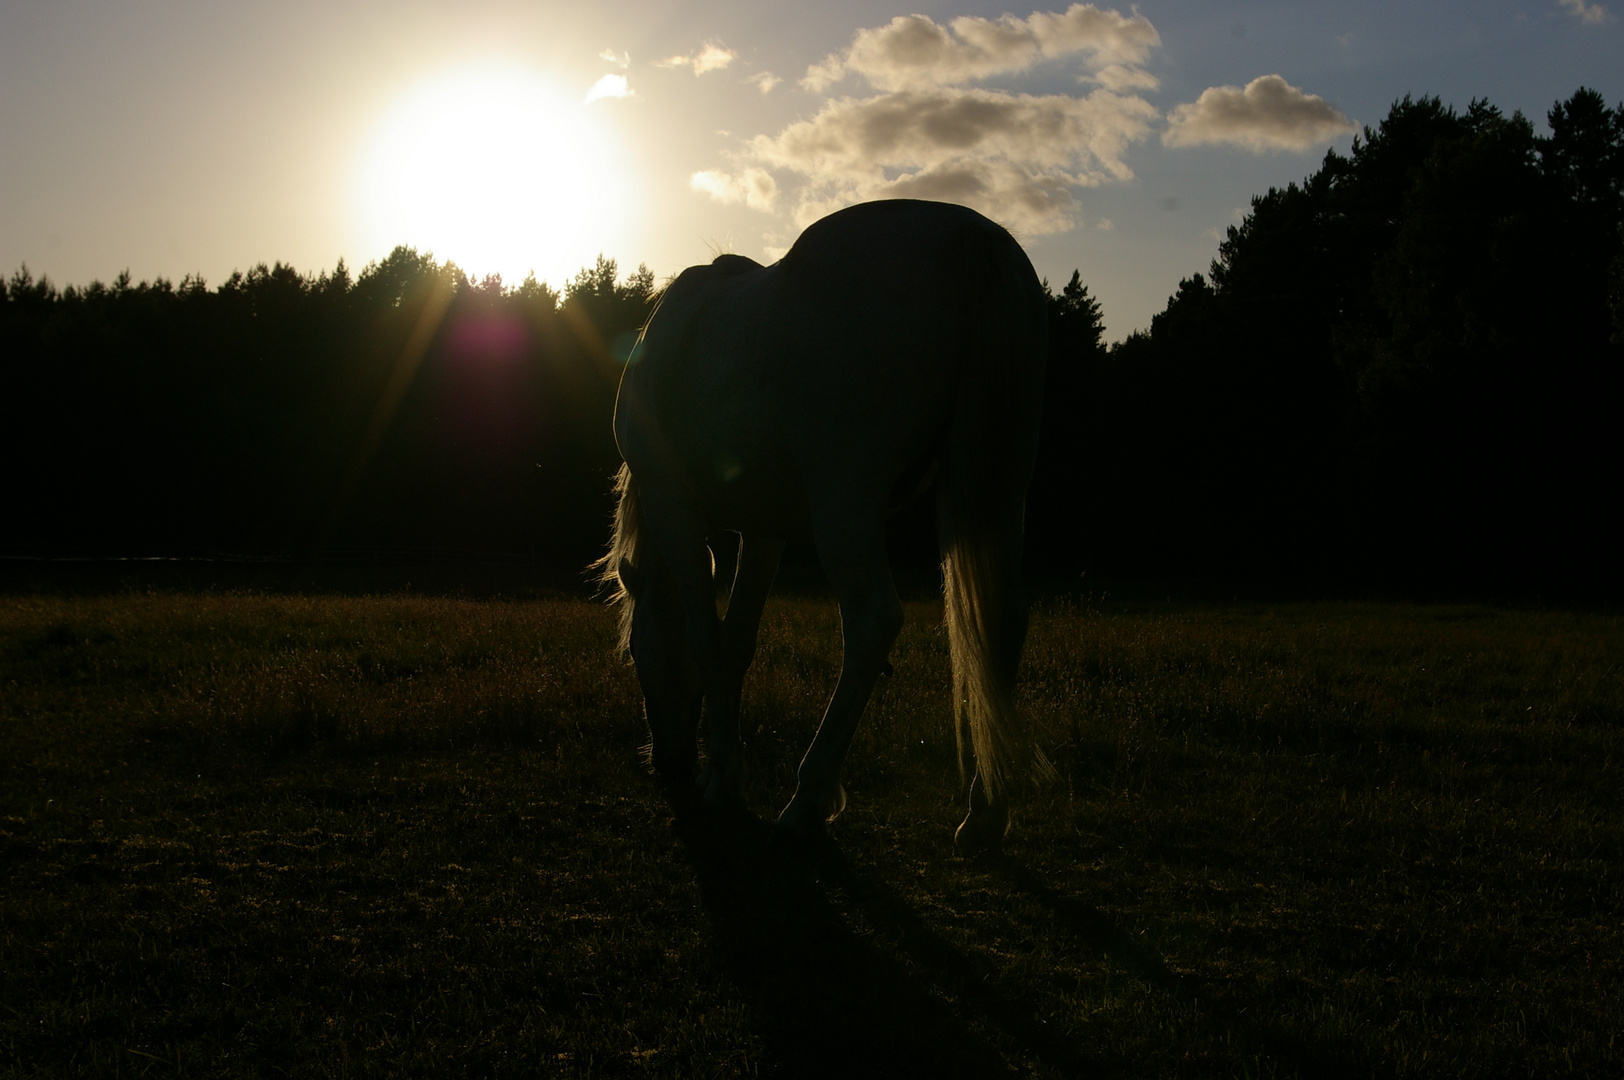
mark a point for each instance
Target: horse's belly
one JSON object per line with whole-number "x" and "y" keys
{"x": 754, "y": 490}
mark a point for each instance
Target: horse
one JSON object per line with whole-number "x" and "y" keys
{"x": 896, "y": 341}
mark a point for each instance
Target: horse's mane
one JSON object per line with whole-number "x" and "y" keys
{"x": 622, "y": 552}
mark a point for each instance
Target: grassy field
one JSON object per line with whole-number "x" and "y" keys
{"x": 399, "y": 836}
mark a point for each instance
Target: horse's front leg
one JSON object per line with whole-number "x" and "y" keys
{"x": 758, "y": 564}
{"x": 675, "y": 637}
{"x": 870, "y": 619}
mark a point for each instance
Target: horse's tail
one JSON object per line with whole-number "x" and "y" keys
{"x": 610, "y": 570}
{"x": 980, "y": 511}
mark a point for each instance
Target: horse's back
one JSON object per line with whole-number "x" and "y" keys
{"x": 838, "y": 368}
{"x": 885, "y": 315}
{"x": 893, "y": 270}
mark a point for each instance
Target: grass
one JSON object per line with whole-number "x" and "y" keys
{"x": 397, "y": 836}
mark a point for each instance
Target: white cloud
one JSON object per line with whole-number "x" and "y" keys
{"x": 914, "y": 51}
{"x": 1590, "y": 14}
{"x": 1015, "y": 157}
{"x": 1105, "y": 224}
{"x": 929, "y": 134}
{"x": 764, "y": 81}
{"x": 711, "y": 57}
{"x": 1269, "y": 114}
{"x": 819, "y": 76}
{"x": 1119, "y": 77}
{"x": 859, "y": 138}
{"x": 1027, "y": 203}
{"x": 610, "y": 86}
{"x": 756, "y": 188}
{"x": 620, "y": 59}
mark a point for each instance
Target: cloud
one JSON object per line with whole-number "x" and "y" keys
{"x": 913, "y": 51}
{"x": 610, "y": 86}
{"x": 1590, "y": 14}
{"x": 1269, "y": 114}
{"x": 1118, "y": 77}
{"x": 820, "y": 76}
{"x": 931, "y": 133}
{"x": 1028, "y": 203}
{"x": 620, "y": 59}
{"x": 712, "y": 57}
{"x": 858, "y": 138}
{"x": 756, "y": 188}
{"x": 764, "y": 81}
{"x": 1015, "y": 157}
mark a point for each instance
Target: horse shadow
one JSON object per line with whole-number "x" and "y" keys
{"x": 1233, "y": 1015}
{"x": 849, "y": 978}
{"x": 845, "y": 974}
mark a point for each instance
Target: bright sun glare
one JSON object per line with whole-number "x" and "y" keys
{"x": 499, "y": 173}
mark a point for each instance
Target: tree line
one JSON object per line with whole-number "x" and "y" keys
{"x": 1405, "y": 369}
{"x": 408, "y": 408}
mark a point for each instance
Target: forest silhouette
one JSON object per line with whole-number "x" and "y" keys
{"x": 1403, "y": 372}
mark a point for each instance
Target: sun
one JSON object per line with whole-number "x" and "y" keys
{"x": 498, "y": 172}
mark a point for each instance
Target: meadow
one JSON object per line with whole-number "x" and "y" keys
{"x": 397, "y": 835}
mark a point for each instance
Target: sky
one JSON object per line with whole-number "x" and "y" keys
{"x": 176, "y": 137}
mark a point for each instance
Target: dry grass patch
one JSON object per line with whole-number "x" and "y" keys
{"x": 411, "y": 836}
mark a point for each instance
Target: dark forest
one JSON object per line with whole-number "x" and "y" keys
{"x": 1401, "y": 373}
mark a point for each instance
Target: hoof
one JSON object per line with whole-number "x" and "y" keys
{"x": 724, "y": 811}
{"x": 719, "y": 791}
{"x": 811, "y": 813}
{"x": 791, "y": 823}
{"x": 981, "y": 833}
{"x": 682, "y": 795}
{"x": 799, "y": 843}
{"x": 799, "y": 825}
{"x": 725, "y": 805}
{"x": 672, "y": 769}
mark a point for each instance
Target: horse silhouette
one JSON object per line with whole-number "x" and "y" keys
{"x": 896, "y": 341}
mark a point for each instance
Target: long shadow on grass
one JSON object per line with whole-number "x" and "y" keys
{"x": 833, "y": 1003}
{"x": 973, "y": 982}
{"x": 1220, "y": 1007}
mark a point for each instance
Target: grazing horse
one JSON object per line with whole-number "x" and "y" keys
{"x": 896, "y": 341}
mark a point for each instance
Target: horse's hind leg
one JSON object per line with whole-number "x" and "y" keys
{"x": 758, "y": 564}
{"x": 987, "y": 820}
{"x": 987, "y": 610}
{"x": 870, "y": 619}
{"x": 983, "y": 828}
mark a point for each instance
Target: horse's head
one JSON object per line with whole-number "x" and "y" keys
{"x": 667, "y": 669}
